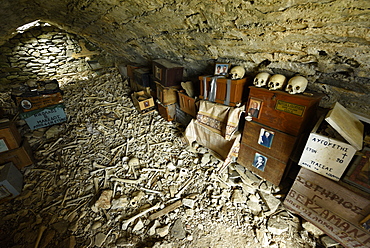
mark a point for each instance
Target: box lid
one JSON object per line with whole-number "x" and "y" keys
{"x": 346, "y": 124}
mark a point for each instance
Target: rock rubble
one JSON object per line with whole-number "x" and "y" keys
{"x": 112, "y": 177}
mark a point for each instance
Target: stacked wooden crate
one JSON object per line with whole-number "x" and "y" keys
{"x": 271, "y": 139}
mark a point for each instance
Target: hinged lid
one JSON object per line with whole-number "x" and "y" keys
{"x": 346, "y": 124}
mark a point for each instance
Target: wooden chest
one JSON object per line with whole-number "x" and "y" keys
{"x": 272, "y": 147}
{"x": 168, "y": 112}
{"x": 334, "y": 207}
{"x": 20, "y": 157}
{"x": 166, "y": 95}
{"x": 187, "y": 104}
{"x": 10, "y": 138}
{"x": 142, "y": 77}
{"x": 288, "y": 113}
{"x": 222, "y": 90}
{"x": 167, "y": 73}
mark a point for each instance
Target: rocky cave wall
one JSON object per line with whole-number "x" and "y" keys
{"x": 326, "y": 41}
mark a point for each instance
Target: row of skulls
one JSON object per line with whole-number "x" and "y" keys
{"x": 295, "y": 85}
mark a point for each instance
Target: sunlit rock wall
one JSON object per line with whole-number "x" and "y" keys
{"x": 326, "y": 41}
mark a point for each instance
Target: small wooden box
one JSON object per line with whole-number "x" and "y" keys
{"x": 131, "y": 69}
{"x": 166, "y": 95}
{"x": 29, "y": 103}
{"x": 142, "y": 100}
{"x": 142, "y": 76}
{"x": 167, "y": 73}
{"x": 20, "y": 157}
{"x": 187, "y": 104}
{"x": 288, "y": 113}
{"x": 11, "y": 181}
{"x": 168, "y": 112}
{"x": 228, "y": 92}
{"x": 10, "y": 137}
{"x": 270, "y": 168}
{"x": 334, "y": 207}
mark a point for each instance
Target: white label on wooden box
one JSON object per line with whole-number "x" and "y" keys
{"x": 325, "y": 156}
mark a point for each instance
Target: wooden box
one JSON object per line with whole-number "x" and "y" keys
{"x": 11, "y": 181}
{"x": 269, "y": 141}
{"x": 167, "y": 73}
{"x": 187, "y": 104}
{"x": 262, "y": 164}
{"x": 334, "y": 207}
{"x": 142, "y": 76}
{"x": 228, "y": 92}
{"x": 168, "y": 112}
{"x": 142, "y": 100}
{"x": 131, "y": 69}
{"x": 10, "y": 137}
{"x": 288, "y": 113}
{"x": 20, "y": 157}
{"x": 29, "y": 103}
{"x": 330, "y": 156}
{"x": 166, "y": 95}
{"x": 182, "y": 117}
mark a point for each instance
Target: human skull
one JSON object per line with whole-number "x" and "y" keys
{"x": 277, "y": 82}
{"x": 261, "y": 79}
{"x": 237, "y": 72}
{"x": 297, "y": 84}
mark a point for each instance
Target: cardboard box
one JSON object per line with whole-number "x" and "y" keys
{"x": 142, "y": 100}
{"x": 10, "y": 138}
{"x": 45, "y": 117}
{"x": 11, "y": 181}
{"x": 30, "y": 103}
{"x": 334, "y": 207}
{"x": 20, "y": 157}
{"x": 331, "y": 156}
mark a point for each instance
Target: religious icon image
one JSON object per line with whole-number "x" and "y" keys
{"x": 259, "y": 161}
{"x": 265, "y": 138}
{"x": 254, "y": 107}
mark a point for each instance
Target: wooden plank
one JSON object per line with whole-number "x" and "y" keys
{"x": 330, "y": 206}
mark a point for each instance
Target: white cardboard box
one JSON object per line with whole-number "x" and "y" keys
{"x": 328, "y": 156}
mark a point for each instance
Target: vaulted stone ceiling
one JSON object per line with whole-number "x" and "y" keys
{"x": 326, "y": 41}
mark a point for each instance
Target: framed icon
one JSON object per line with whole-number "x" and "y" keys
{"x": 259, "y": 161}
{"x": 265, "y": 138}
{"x": 222, "y": 69}
{"x": 254, "y": 107}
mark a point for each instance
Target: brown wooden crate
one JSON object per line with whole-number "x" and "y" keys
{"x": 166, "y": 95}
{"x": 168, "y": 112}
{"x": 281, "y": 146}
{"x": 285, "y": 112}
{"x": 21, "y": 156}
{"x": 274, "y": 170}
{"x": 167, "y": 73}
{"x": 237, "y": 90}
{"x": 331, "y": 206}
{"x": 10, "y": 135}
{"x": 187, "y": 104}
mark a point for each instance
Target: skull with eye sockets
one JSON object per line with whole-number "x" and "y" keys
{"x": 296, "y": 85}
{"x": 277, "y": 82}
{"x": 261, "y": 79}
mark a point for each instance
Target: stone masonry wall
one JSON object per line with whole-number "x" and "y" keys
{"x": 39, "y": 53}
{"x": 326, "y": 41}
